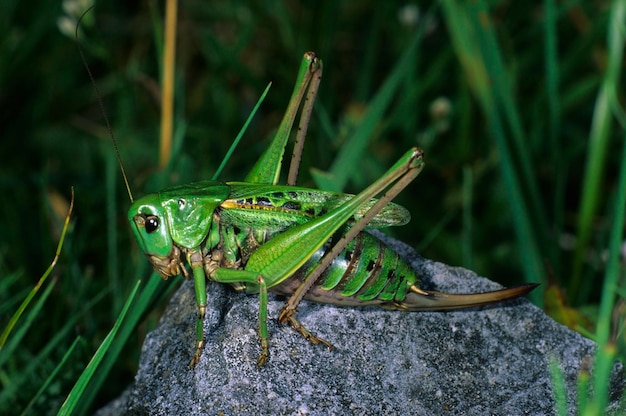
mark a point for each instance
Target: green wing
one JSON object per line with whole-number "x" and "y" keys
{"x": 298, "y": 204}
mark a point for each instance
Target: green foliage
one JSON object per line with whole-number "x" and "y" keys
{"x": 516, "y": 106}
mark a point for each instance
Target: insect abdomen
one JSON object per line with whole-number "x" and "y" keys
{"x": 367, "y": 272}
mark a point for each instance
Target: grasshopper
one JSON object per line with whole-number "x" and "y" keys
{"x": 304, "y": 243}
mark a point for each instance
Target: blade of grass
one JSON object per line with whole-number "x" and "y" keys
{"x": 607, "y": 351}
{"x": 35, "y": 364}
{"x": 597, "y": 146}
{"x": 352, "y": 151}
{"x": 551, "y": 62}
{"x": 558, "y": 387}
{"x": 32, "y": 316}
{"x": 512, "y": 142}
{"x": 516, "y": 141}
{"x": 582, "y": 387}
{"x": 42, "y": 280}
{"x": 75, "y": 396}
{"x": 466, "y": 26}
{"x": 603, "y": 366}
{"x": 52, "y": 376}
{"x": 233, "y": 146}
{"x": 147, "y": 297}
{"x": 167, "y": 84}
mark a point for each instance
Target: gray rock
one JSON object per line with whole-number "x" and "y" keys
{"x": 488, "y": 360}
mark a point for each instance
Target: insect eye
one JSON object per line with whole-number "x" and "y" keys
{"x": 151, "y": 224}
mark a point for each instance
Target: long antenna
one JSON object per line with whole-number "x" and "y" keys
{"x": 104, "y": 113}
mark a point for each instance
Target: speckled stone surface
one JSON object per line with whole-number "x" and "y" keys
{"x": 488, "y": 360}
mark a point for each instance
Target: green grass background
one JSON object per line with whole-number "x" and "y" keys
{"x": 517, "y": 105}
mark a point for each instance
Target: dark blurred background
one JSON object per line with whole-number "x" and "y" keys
{"x": 500, "y": 94}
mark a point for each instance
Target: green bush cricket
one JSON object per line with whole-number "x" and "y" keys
{"x": 304, "y": 243}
